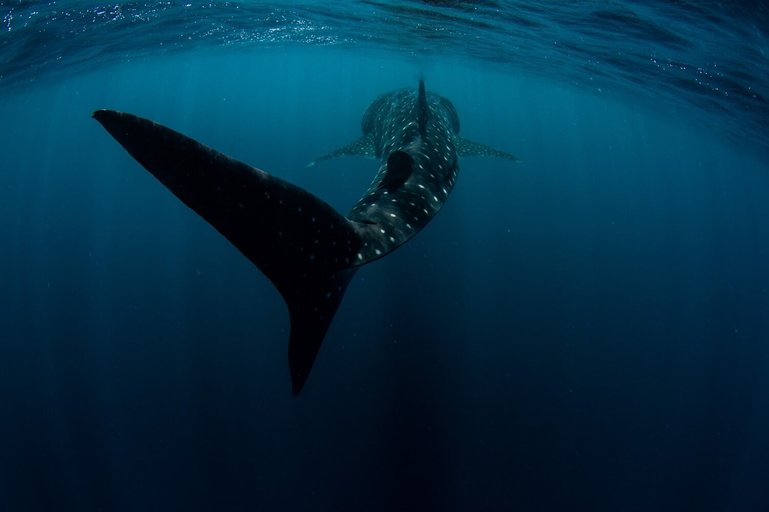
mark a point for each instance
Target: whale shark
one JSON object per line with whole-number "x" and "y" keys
{"x": 308, "y": 250}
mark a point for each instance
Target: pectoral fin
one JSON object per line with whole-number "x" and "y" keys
{"x": 361, "y": 147}
{"x": 469, "y": 148}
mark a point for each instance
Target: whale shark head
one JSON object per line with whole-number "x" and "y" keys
{"x": 308, "y": 250}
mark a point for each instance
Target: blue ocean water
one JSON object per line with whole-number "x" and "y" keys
{"x": 587, "y": 329}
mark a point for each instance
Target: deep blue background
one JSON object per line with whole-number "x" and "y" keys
{"x": 586, "y": 330}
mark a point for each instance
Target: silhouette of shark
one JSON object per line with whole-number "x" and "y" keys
{"x": 308, "y": 250}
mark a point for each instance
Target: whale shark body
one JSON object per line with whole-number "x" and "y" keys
{"x": 308, "y": 250}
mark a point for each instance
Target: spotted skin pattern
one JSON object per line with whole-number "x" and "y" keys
{"x": 309, "y": 251}
{"x": 387, "y": 217}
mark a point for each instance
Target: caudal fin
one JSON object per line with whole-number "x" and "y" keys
{"x": 298, "y": 241}
{"x": 312, "y": 307}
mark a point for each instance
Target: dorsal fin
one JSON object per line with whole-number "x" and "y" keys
{"x": 422, "y": 110}
{"x": 399, "y": 169}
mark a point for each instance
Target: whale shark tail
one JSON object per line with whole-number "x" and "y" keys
{"x": 307, "y": 249}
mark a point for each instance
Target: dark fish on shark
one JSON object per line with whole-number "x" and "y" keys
{"x": 307, "y": 249}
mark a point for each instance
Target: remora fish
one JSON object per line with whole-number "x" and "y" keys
{"x": 308, "y": 250}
